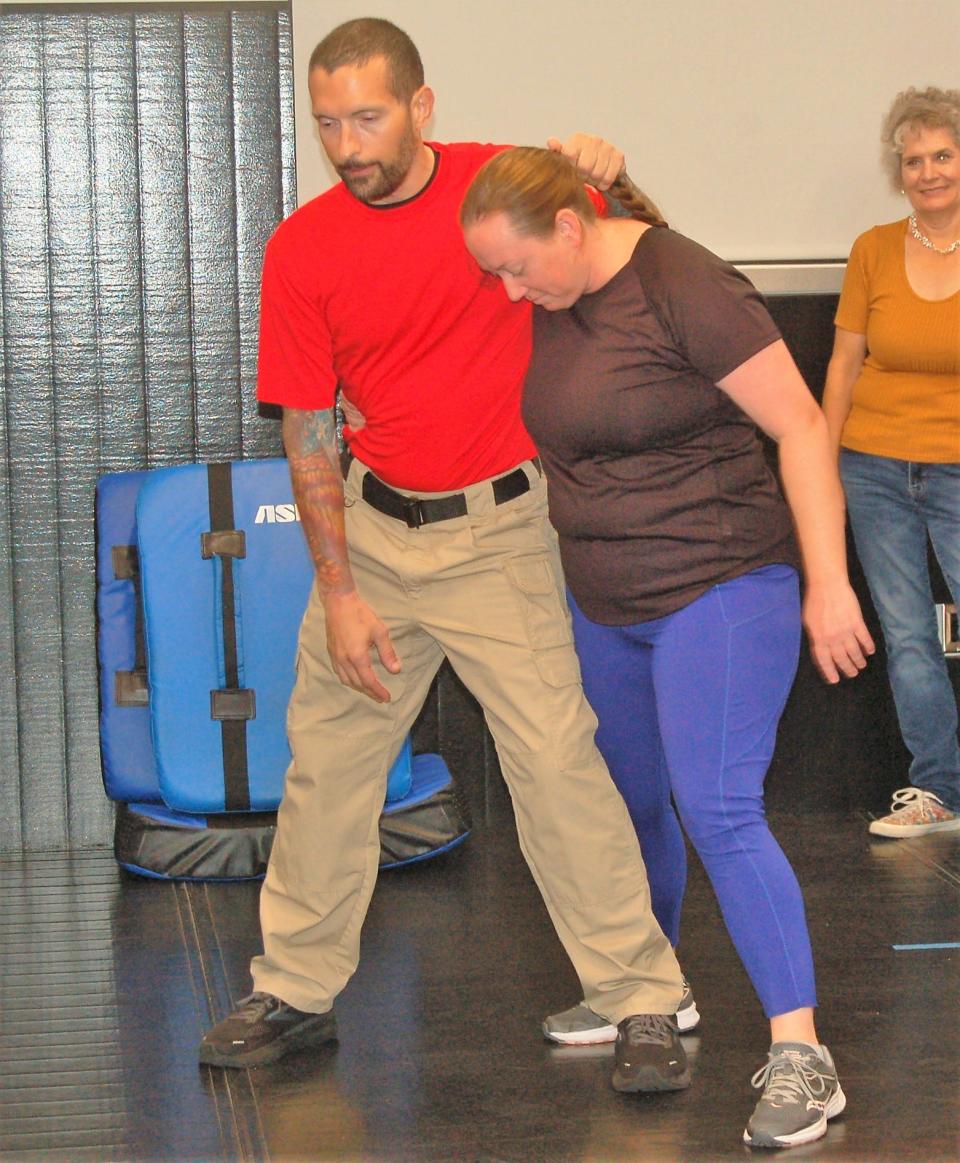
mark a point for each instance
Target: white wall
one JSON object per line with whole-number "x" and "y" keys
{"x": 753, "y": 123}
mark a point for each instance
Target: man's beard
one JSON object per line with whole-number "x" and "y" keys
{"x": 386, "y": 177}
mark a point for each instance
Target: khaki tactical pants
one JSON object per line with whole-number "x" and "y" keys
{"x": 486, "y": 591}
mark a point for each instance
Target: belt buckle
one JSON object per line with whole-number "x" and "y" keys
{"x": 413, "y": 512}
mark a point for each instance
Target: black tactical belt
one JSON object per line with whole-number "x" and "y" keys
{"x": 416, "y": 512}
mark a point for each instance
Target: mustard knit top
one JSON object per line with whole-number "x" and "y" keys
{"x": 906, "y": 400}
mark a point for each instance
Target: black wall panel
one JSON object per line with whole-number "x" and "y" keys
{"x": 839, "y": 747}
{"x": 146, "y": 154}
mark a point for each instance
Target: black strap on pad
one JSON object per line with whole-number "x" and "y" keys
{"x": 130, "y": 687}
{"x": 232, "y": 705}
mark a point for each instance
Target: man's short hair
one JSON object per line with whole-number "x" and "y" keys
{"x": 358, "y": 41}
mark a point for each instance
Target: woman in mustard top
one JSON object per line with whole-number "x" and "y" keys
{"x": 892, "y": 400}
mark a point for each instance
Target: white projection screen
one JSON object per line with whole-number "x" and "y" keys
{"x": 753, "y": 123}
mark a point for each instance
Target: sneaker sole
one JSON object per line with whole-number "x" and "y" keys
{"x": 896, "y": 831}
{"x": 315, "y": 1034}
{"x": 650, "y": 1081}
{"x": 809, "y": 1134}
{"x": 687, "y": 1019}
{"x": 599, "y": 1036}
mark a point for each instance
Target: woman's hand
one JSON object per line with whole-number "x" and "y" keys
{"x": 353, "y": 417}
{"x": 840, "y": 642}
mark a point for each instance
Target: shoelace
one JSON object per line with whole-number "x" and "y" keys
{"x": 255, "y": 1006}
{"x": 788, "y": 1078}
{"x": 909, "y": 797}
{"x": 648, "y": 1028}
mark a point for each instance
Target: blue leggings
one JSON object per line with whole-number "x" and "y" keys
{"x": 688, "y": 705}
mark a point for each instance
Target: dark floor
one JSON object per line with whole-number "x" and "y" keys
{"x": 107, "y": 982}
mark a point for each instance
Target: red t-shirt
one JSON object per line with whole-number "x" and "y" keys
{"x": 388, "y": 303}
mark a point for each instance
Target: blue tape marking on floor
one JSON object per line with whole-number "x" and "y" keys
{"x": 934, "y": 945}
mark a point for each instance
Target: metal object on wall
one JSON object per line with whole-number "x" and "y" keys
{"x": 948, "y": 626}
{"x": 146, "y": 154}
{"x": 795, "y": 278}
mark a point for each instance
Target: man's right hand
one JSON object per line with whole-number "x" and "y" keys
{"x": 353, "y": 630}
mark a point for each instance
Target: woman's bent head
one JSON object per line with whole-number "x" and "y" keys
{"x": 530, "y": 186}
{"x": 525, "y": 218}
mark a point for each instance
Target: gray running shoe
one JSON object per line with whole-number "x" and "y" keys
{"x": 800, "y": 1092}
{"x": 262, "y": 1029}
{"x": 649, "y": 1055}
{"x": 580, "y": 1026}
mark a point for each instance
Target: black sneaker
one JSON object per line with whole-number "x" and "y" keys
{"x": 262, "y": 1029}
{"x": 649, "y": 1055}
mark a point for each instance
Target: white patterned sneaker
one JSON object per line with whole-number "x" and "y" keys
{"x": 801, "y": 1092}
{"x": 915, "y": 813}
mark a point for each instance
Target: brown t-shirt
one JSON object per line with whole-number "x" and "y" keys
{"x": 658, "y": 485}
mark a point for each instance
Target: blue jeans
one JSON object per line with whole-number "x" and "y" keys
{"x": 688, "y": 707}
{"x": 894, "y": 505}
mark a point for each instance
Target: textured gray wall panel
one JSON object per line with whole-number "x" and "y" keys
{"x": 146, "y": 153}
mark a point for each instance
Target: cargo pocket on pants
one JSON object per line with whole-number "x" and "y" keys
{"x": 546, "y": 619}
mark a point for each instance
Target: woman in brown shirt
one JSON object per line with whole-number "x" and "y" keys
{"x": 653, "y": 363}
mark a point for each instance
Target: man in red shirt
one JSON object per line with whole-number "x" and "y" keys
{"x": 436, "y": 544}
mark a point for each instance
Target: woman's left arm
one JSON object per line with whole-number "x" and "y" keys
{"x": 770, "y": 389}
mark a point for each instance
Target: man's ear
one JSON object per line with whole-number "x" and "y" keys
{"x": 421, "y": 106}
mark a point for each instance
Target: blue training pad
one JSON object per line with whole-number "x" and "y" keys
{"x": 126, "y": 749}
{"x": 170, "y": 750}
{"x": 182, "y": 607}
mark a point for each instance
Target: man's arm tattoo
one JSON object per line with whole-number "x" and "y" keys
{"x": 311, "y": 444}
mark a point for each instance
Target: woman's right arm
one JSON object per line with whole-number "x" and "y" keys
{"x": 849, "y": 352}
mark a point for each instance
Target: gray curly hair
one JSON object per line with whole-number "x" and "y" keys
{"x": 930, "y": 108}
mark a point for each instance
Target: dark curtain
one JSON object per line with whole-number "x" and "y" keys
{"x": 146, "y": 154}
